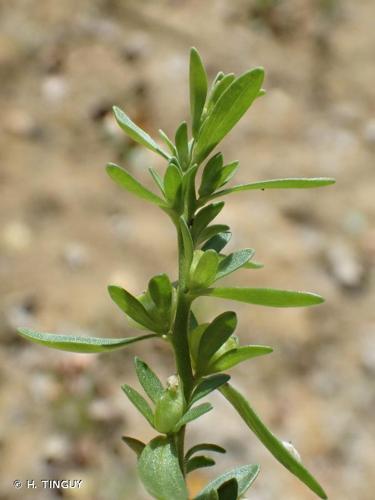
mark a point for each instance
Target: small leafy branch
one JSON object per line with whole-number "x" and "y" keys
{"x": 203, "y": 351}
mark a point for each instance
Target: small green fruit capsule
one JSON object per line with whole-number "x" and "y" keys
{"x": 170, "y": 407}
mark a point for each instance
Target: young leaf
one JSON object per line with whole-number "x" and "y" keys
{"x": 182, "y": 145}
{"x": 211, "y": 175}
{"x": 199, "y": 462}
{"x": 290, "y": 183}
{"x": 160, "y": 471}
{"x": 157, "y": 179}
{"x": 244, "y": 476}
{"x": 73, "y": 343}
{"x": 221, "y": 86}
{"x": 253, "y": 265}
{"x": 148, "y": 380}
{"x": 205, "y": 271}
{"x": 227, "y": 172}
{"x": 136, "y": 133}
{"x": 269, "y": 440}
{"x": 168, "y": 142}
{"x": 126, "y": 181}
{"x": 214, "y": 336}
{"x": 132, "y": 307}
{"x": 189, "y": 190}
{"x": 139, "y": 402}
{"x": 198, "y": 89}
{"x": 237, "y": 355}
{"x": 265, "y": 296}
{"x": 233, "y": 261}
{"x": 204, "y": 217}
{"x": 217, "y": 242}
{"x": 187, "y": 242}
{"x": 161, "y": 290}
{"x": 208, "y": 385}
{"x": 193, "y": 414}
{"x": 134, "y": 444}
{"x": 228, "y": 110}
{"x": 228, "y": 490}
{"x": 211, "y": 231}
{"x": 204, "y": 447}
{"x": 172, "y": 184}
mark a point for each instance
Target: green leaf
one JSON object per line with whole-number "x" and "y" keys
{"x": 168, "y": 142}
{"x": 132, "y": 307}
{"x": 172, "y": 184}
{"x": 218, "y": 242}
{"x": 265, "y": 296}
{"x": 160, "y": 472}
{"x": 211, "y": 175}
{"x": 228, "y": 110}
{"x": 253, "y": 265}
{"x": 148, "y": 380}
{"x": 74, "y": 343}
{"x": 214, "y": 336}
{"x": 182, "y": 145}
{"x": 204, "y": 217}
{"x": 126, "y": 181}
{"x": 227, "y": 172}
{"x": 198, "y": 89}
{"x": 187, "y": 243}
{"x": 244, "y": 476}
{"x": 208, "y": 385}
{"x": 157, "y": 179}
{"x": 228, "y": 490}
{"x": 204, "y": 447}
{"x": 221, "y": 86}
{"x": 193, "y": 414}
{"x": 233, "y": 261}
{"x": 205, "y": 271}
{"x": 237, "y": 355}
{"x": 161, "y": 290}
{"x": 134, "y": 444}
{"x": 139, "y": 402}
{"x": 269, "y": 440}
{"x": 199, "y": 462}
{"x": 189, "y": 189}
{"x": 290, "y": 183}
{"x": 211, "y": 231}
{"x": 136, "y": 133}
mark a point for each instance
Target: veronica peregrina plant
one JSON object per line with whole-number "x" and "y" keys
{"x": 203, "y": 350}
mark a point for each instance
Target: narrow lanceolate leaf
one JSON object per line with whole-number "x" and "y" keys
{"x": 160, "y": 290}
{"x": 253, "y": 265}
{"x": 193, "y": 414}
{"x": 214, "y": 336}
{"x": 157, "y": 179}
{"x": 199, "y": 462}
{"x": 128, "y": 182}
{"x": 205, "y": 216}
{"x": 211, "y": 231}
{"x": 228, "y": 490}
{"x": 132, "y": 307}
{"x": 73, "y": 343}
{"x": 221, "y": 86}
{"x": 148, "y": 380}
{"x": 168, "y": 142}
{"x": 198, "y": 89}
{"x": 182, "y": 145}
{"x": 227, "y": 172}
{"x": 160, "y": 471}
{"x": 204, "y": 447}
{"x": 218, "y": 242}
{"x": 233, "y": 261}
{"x": 139, "y": 402}
{"x": 134, "y": 444}
{"x": 228, "y": 110}
{"x": 238, "y": 355}
{"x": 265, "y": 296}
{"x": 187, "y": 242}
{"x": 205, "y": 271}
{"x": 208, "y": 385}
{"x": 244, "y": 476}
{"x": 136, "y": 133}
{"x": 172, "y": 183}
{"x": 211, "y": 175}
{"x": 289, "y": 183}
{"x": 270, "y": 441}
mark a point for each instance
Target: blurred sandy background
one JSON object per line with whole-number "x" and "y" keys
{"x": 66, "y": 231}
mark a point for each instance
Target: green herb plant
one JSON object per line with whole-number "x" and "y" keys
{"x": 203, "y": 351}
